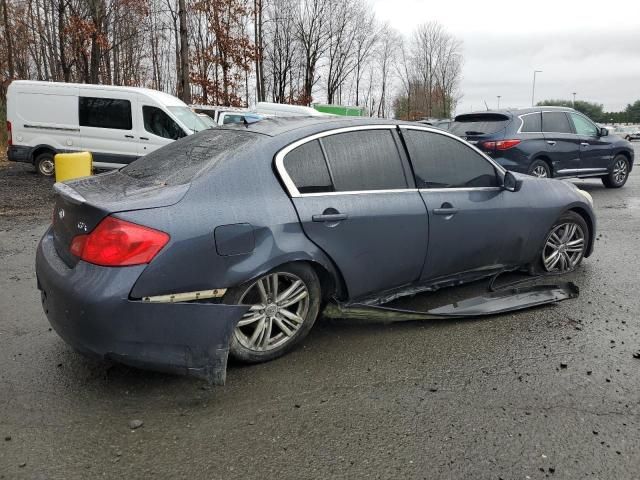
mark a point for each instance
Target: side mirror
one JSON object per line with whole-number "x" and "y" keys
{"x": 603, "y": 132}
{"x": 510, "y": 182}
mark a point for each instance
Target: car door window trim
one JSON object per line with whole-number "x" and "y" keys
{"x": 288, "y": 182}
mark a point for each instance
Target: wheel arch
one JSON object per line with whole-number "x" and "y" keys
{"x": 590, "y": 224}
{"x": 39, "y": 149}
{"x": 543, "y": 158}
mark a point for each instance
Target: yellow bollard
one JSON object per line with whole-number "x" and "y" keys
{"x": 72, "y": 165}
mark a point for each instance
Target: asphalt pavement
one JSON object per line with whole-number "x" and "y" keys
{"x": 547, "y": 393}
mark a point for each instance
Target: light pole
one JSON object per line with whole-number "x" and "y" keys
{"x": 533, "y": 92}
{"x": 499, "y": 97}
{"x": 574, "y": 99}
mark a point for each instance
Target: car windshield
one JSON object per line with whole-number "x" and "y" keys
{"x": 478, "y": 124}
{"x": 188, "y": 118}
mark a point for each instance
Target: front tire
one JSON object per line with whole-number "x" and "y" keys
{"x": 619, "y": 173}
{"x": 44, "y": 164}
{"x": 284, "y": 306}
{"x": 539, "y": 169}
{"x": 565, "y": 245}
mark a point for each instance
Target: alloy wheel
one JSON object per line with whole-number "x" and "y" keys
{"x": 540, "y": 172}
{"x": 564, "y": 248}
{"x": 46, "y": 167}
{"x": 279, "y": 306}
{"x": 620, "y": 171}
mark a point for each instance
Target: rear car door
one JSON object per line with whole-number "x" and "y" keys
{"x": 563, "y": 144}
{"x": 353, "y": 191}
{"x": 596, "y": 153}
{"x": 108, "y": 126}
{"x": 473, "y": 222}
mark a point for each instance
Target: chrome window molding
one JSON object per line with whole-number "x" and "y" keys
{"x": 552, "y": 111}
{"x": 293, "y": 190}
{"x": 288, "y": 182}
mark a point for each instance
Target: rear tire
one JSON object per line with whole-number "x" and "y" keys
{"x": 279, "y": 318}
{"x": 540, "y": 169}
{"x": 619, "y": 173}
{"x": 44, "y": 164}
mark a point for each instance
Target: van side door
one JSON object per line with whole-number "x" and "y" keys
{"x": 108, "y": 122}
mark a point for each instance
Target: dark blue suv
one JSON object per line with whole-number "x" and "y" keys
{"x": 548, "y": 142}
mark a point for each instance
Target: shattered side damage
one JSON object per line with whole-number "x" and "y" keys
{"x": 493, "y": 303}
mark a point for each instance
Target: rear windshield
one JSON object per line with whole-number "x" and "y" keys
{"x": 180, "y": 161}
{"x": 478, "y": 123}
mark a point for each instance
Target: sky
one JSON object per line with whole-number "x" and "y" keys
{"x": 588, "y": 47}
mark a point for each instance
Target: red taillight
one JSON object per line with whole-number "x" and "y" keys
{"x": 117, "y": 243}
{"x": 9, "y": 134}
{"x": 500, "y": 144}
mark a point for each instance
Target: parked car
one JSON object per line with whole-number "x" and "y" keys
{"x": 227, "y": 115}
{"x": 116, "y": 124}
{"x": 239, "y": 234}
{"x": 628, "y": 133}
{"x": 548, "y": 142}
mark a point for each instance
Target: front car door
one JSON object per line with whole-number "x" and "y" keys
{"x": 595, "y": 151}
{"x": 159, "y": 129}
{"x": 353, "y": 191}
{"x": 475, "y": 226}
{"x": 563, "y": 144}
{"x": 108, "y": 123}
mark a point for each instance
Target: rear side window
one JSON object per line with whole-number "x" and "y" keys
{"x": 478, "y": 124}
{"x": 179, "y": 162}
{"x": 364, "y": 160}
{"x": 443, "y": 162}
{"x": 160, "y": 124}
{"x": 532, "y": 123}
{"x": 556, "y": 122}
{"x": 308, "y": 169}
{"x": 105, "y": 113}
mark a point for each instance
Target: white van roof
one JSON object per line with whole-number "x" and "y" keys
{"x": 34, "y": 86}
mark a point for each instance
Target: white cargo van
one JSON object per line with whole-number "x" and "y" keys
{"x": 116, "y": 124}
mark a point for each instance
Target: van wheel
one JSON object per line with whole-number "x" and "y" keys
{"x": 44, "y": 164}
{"x": 284, "y": 306}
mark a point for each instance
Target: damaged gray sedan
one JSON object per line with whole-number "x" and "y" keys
{"x": 231, "y": 240}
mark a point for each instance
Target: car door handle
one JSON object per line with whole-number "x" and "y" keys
{"x": 128, "y": 136}
{"x": 445, "y": 211}
{"x": 144, "y": 138}
{"x": 329, "y": 217}
{"x": 551, "y": 142}
{"x": 585, "y": 144}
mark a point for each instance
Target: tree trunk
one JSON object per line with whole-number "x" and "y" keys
{"x": 185, "y": 87}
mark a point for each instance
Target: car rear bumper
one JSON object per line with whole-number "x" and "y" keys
{"x": 19, "y": 153}
{"x": 89, "y": 307}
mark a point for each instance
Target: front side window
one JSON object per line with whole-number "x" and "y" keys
{"x": 160, "y": 124}
{"x": 531, "y": 123}
{"x": 364, "y": 160}
{"x": 555, "y": 122}
{"x": 105, "y": 113}
{"x": 584, "y": 126}
{"x": 308, "y": 169}
{"x": 443, "y": 162}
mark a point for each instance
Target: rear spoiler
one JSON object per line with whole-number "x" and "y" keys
{"x": 69, "y": 193}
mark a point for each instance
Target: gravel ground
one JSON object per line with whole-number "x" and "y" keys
{"x": 545, "y": 393}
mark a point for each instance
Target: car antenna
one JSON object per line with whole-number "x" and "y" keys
{"x": 244, "y": 120}
{"x": 485, "y": 104}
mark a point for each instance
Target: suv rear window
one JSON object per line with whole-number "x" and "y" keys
{"x": 180, "y": 161}
{"x": 479, "y": 123}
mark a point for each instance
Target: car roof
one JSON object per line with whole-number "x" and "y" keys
{"x": 274, "y": 126}
{"x": 519, "y": 111}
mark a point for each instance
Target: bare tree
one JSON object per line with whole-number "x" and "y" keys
{"x": 312, "y": 31}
